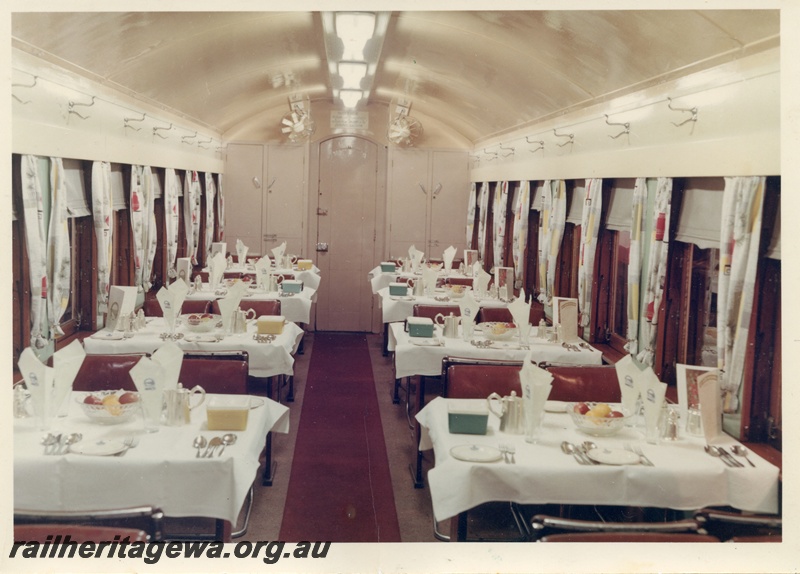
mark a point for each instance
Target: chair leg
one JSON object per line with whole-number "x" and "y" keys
{"x": 386, "y": 339}
{"x": 249, "y": 503}
{"x": 290, "y": 392}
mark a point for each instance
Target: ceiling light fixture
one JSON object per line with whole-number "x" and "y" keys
{"x": 350, "y": 98}
{"x": 354, "y": 29}
{"x": 352, "y": 73}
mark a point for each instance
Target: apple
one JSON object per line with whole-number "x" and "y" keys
{"x": 93, "y": 400}
{"x": 615, "y": 415}
{"x": 581, "y": 408}
{"x": 128, "y": 397}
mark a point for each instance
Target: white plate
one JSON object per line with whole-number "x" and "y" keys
{"x": 401, "y": 298}
{"x": 256, "y": 402}
{"x": 102, "y": 447}
{"x": 425, "y": 342}
{"x": 504, "y": 345}
{"x": 476, "y": 453}
{"x": 613, "y": 456}
{"x": 200, "y": 339}
{"x": 555, "y": 406}
{"x": 109, "y": 335}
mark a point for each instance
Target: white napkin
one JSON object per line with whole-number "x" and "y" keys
{"x": 429, "y": 277}
{"x": 170, "y": 357}
{"x": 148, "y": 377}
{"x": 229, "y": 303}
{"x": 241, "y": 252}
{"x": 416, "y": 257}
{"x": 653, "y": 392}
{"x": 520, "y": 310}
{"x": 278, "y": 252}
{"x": 469, "y": 308}
{"x": 629, "y": 372}
{"x": 66, "y": 364}
{"x": 481, "y": 281}
{"x": 710, "y": 405}
{"x": 216, "y": 270}
{"x": 536, "y": 385}
{"x": 448, "y": 256}
{"x": 39, "y": 380}
{"x": 263, "y": 268}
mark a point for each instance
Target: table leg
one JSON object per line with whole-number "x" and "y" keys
{"x": 386, "y": 339}
{"x": 458, "y": 528}
{"x": 417, "y": 470}
{"x": 269, "y": 465}
{"x": 222, "y": 530}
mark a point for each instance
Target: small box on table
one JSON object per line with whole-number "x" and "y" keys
{"x": 292, "y": 286}
{"x": 304, "y": 264}
{"x": 420, "y": 327}
{"x": 398, "y": 289}
{"x": 388, "y": 267}
{"x": 228, "y": 412}
{"x": 467, "y": 416}
{"x": 270, "y": 324}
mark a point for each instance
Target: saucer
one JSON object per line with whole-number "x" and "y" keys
{"x": 476, "y": 453}
{"x": 613, "y": 456}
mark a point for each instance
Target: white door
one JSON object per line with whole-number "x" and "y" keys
{"x": 285, "y": 198}
{"x": 408, "y": 206}
{"x": 449, "y": 195}
{"x": 244, "y": 173}
{"x": 346, "y": 227}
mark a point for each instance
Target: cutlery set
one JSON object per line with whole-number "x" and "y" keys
{"x": 722, "y": 454}
{"x": 59, "y": 444}
{"x": 210, "y": 446}
{"x": 508, "y": 451}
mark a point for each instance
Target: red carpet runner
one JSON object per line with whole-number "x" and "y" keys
{"x": 340, "y": 489}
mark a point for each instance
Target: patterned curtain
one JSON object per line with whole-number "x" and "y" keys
{"x": 554, "y": 201}
{"x": 172, "y": 218}
{"x": 191, "y": 213}
{"x": 102, "y": 214}
{"x": 484, "y": 208}
{"x": 522, "y": 207}
{"x": 138, "y": 211}
{"x": 500, "y": 209}
{"x": 656, "y": 267}
{"x": 211, "y": 193}
{"x": 638, "y": 205}
{"x": 739, "y": 244}
{"x": 59, "y": 270}
{"x": 220, "y": 210}
{"x": 544, "y": 235}
{"x": 150, "y": 239}
{"x": 472, "y": 205}
{"x": 590, "y": 224}
{"x": 35, "y": 240}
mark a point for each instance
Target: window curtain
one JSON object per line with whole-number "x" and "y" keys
{"x": 656, "y": 267}
{"x": 739, "y": 244}
{"x": 33, "y": 212}
{"x": 551, "y": 231}
{"x": 59, "y": 270}
{"x": 521, "y": 216}
{"x": 171, "y": 218}
{"x": 191, "y": 213}
{"x": 102, "y": 214}
{"x": 638, "y": 205}
{"x": 140, "y": 223}
{"x": 151, "y": 229}
{"x": 484, "y": 208}
{"x": 472, "y": 205}
{"x": 500, "y": 209}
{"x": 590, "y": 224}
{"x": 220, "y": 210}
{"x": 211, "y": 193}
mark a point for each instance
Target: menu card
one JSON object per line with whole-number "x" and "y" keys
{"x": 121, "y": 303}
{"x": 470, "y": 260}
{"x": 504, "y": 279}
{"x": 183, "y": 267}
{"x": 219, "y": 247}
{"x": 708, "y": 389}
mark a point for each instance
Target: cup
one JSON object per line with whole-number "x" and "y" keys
{"x": 694, "y": 421}
{"x": 524, "y": 331}
{"x": 533, "y": 425}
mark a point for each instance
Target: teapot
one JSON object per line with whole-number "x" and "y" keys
{"x": 511, "y": 412}
{"x": 178, "y": 404}
{"x": 418, "y": 287}
{"x": 449, "y": 324}
{"x": 240, "y": 320}
{"x": 273, "y": 282}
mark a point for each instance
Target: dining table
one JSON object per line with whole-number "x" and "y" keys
{"x": 162, "y": 468}
{"x": 309, "y": 277}
{"x": 379, "y": 279}
{"x": 267, "y": 357}
{"x": 471, "y": 469}
{"x": 295, "y": 307}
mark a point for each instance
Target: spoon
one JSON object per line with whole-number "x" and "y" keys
{"x": 585, "y": 447}
{"x": 212, "y": 445}
{"x": 48, "y": 441}
{"x": 742, "y": 451}
{"x": 228, "y": 438}
{"x": 199, "y": 443}
{"x": 569, "y": 448}
{"x": 71, "y": 439}
{"x": 714, "y": 451}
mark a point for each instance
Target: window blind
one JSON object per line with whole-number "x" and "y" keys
{"x": 77, "y": 205}
{"x": 576, "y": 199}
{"x": 117, "y": 188}
{"x": 618, "y": 216}
{"x": 700, "y": 219}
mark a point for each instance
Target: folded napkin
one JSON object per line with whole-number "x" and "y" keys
{"x": 263, "y": 267}
{"x": 229, "y": 304}
{"x": 216, "y": 269}
{"x": 520, "y": 310}
{"x": 429, "y": 277}
{"x": 40, "y": 382}
{"x": 469, "y": 308}
{"x": 652, "y": 391}
{"x": 241, "y": 252}
{"x": 66, "y": 364}
{"x": 416, "y": 257}
{"x": 629, "y": 372}
{"x": 152, "y": 376}
{"x": 171, "y": 300}
{"x": 448, "y": 256}
{"x": 708, "y": 390}
{"x": 481, "y": 281}
{"x": 536, "y": 385}
{"x": 121, "y": 303}
{"x": 278, "y": 252}
{"x": 170, "y": 357}
{"x": 565, "y": 315}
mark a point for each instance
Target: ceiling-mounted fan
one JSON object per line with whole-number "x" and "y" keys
{"x": 403, "y": 129}
{"x": 298, "y": 124}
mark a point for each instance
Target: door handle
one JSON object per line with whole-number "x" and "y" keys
{"x": 422, "y": 187}
{"x": 322, "y": 247}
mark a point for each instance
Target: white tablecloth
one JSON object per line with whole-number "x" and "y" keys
{"x": 380, "y": 280}
{"x": 265, "y": 359}
{"x": 400, "y": 308}
{"x": 296, "y": 308}
{"x": 161, "y": 471}
{"x": 683, "y": 477}
{"x": 311, "y": 278}
{"x": 421, "y": 359}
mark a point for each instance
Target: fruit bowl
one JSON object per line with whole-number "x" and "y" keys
{"x": 110, "y": 407}
{"x": 498, "y": 331}
{"x": 200, "y": 322}
{"x": 455, "y": 291}
{"x": 597, "y": 419}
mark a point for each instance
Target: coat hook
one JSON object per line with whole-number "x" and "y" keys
{"x": 692, "y": 111}
{"x": 492, "y": 154}
{"x": 511, "y": 150}
{"x": 134, "y": 120}
{"x": 540, "y": 142}
{"x": 626, "y": 125}
{"x": 155, "y": 131}
{"x": 222, "y": 148}
{"x": 35, "y": 79}
{"x": 184, "y": 138}
{"x": 570, "y": 136}
{"x": 204, "y": 142}
{"x": 73, "y": 104}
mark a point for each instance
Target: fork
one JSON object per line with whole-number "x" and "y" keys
{"x": 130, "y": 442}
{"x": 636, "y": 449}
{"x": 504, "y": 451}
{"x": 510, "y": 450}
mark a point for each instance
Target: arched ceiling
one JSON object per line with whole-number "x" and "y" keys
{"x": 479, "y": 74}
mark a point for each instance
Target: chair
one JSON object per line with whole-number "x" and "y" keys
{"x": 260, "y": 306}
{"x": 556, "y": 529}
{"x": 148, "y": 519}
{"x": 735, "y": 526}
{"x": 152, "y": 308}
{"x": 203, "y": 275}
{"x": 466, "y": 281}
{"x": 223, "y": 372}
{"x": 106, "y": 372}
{"x": 231, "y": 274}
{"x": 503, "y": 315}
{"x": 66, "y": 533}
{"x": 430, "y": 311}
{"x": 616, "y": 537}
{"x": 584, "y": 383}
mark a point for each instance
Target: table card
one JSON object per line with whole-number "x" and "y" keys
{"x": 565, "y": 317}
{"x": 220, "y": 247}
{"x": 183, "y": 268}
{"x": 121, "y": 303}
{"x": 470, "y": 260}
{"x": 504, "y": 280}
{"x": 710, "y": 405}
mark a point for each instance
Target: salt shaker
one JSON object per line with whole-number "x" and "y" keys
{"x": 542, "y": 332}
{"x": 20, "y": 400}
{"x": 671, "y": 427}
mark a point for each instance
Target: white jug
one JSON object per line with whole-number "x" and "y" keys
{"x": 178, "y": 404}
